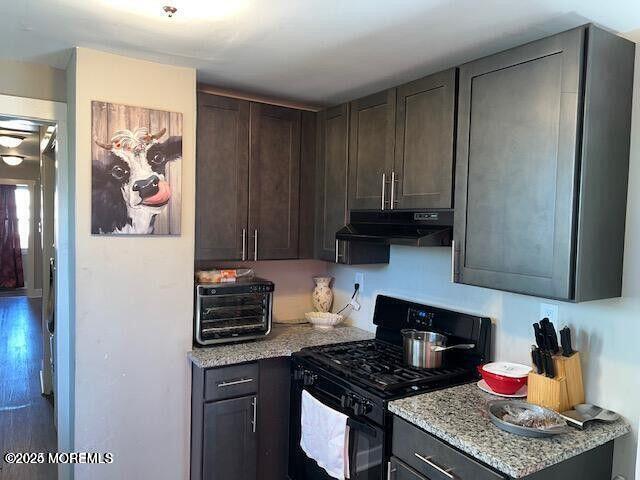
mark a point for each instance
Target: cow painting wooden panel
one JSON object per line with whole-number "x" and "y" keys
{"x": 136, "y": 156}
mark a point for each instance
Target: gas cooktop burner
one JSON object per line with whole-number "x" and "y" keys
{"x": 380, "y": 365}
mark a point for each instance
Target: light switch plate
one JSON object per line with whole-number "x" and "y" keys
{"x": 550, "y": 311}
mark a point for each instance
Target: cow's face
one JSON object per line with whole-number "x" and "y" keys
{"x": 143, "y": 181}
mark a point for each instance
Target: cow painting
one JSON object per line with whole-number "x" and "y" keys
{"x": 131, "y": 182}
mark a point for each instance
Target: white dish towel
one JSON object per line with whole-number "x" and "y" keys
{"x": 325, "y": 436}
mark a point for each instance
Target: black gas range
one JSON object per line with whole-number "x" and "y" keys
{"x": 360, "y": 378}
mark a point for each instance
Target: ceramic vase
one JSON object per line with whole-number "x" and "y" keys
{"x": 322, "y": 294}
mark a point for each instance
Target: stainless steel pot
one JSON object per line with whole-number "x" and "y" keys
{"x": 424, "y": 349}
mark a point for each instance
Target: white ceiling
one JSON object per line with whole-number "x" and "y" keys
{"x": 314, "y": 50}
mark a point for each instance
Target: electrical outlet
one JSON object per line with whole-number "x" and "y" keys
{"x": 359, "y": 280}
{"x": 550, "y": 311}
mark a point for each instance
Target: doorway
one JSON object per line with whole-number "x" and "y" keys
{"x": 36, "y": 387}
{"x": 27, "y": 419}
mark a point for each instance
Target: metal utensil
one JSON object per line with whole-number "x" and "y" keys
{"x": 423, "y": 349}
{"x": 587, "y": 412}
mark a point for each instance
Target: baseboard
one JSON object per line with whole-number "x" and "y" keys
{"x": 35, "y": 293}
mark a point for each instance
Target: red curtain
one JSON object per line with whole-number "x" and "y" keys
{"x": 11, "y": 273}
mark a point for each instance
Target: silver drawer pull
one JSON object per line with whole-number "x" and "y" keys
{"x": 235, "y": 382}
{"x": 447, "y": 473}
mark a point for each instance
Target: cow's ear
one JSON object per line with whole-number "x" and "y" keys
{"x": 108, "y": 210}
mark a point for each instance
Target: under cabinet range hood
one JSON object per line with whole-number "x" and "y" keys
{"x": 424, "y": 228}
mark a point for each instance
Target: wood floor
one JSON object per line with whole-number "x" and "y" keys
{"x": 26, "y": 417}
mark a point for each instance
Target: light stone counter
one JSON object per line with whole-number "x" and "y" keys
{"x": 281, "y": 342}
{"x": 458, "y": 416}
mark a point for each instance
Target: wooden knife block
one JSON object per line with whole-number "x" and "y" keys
{"x": 561, "y": 393}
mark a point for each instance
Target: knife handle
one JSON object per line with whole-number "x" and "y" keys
{"x": 565, "y": 340}
{"x": 536, "y": 357}
{"x": 549, "y": 367}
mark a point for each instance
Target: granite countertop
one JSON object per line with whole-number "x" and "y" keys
{"x": 458, "y": 416}
{"x": 281, "y": 342}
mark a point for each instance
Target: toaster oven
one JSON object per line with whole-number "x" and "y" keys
{"x": 233, "y": 311}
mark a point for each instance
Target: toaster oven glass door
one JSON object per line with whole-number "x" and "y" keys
{"x": 227, "y": 315}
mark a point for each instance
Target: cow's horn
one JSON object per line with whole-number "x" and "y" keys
{"x": 106, "y": 146}
{"x": 157, "y": 135}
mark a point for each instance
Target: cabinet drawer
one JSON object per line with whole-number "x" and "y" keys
{"x": 396, "y": 470}
{"x": 229, "y": 382}
{"x": 434, "y": 458}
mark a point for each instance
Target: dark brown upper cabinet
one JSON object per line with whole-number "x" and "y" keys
{"x": 250, "y": 157}
{"x": 542, "y": 166}
{"x": 274, "y": 180}
{"x": 222, "y": 180}
{"x": 331, "y": 176}
{"x": 422, "y": 176}
{"x": 371, "y": 150}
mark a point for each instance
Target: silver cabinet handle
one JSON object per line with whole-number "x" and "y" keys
{"x": 453, "y": 261}
{"x": 244, "y": 244}
{"x": 390, "y": 470}
{"x": 435, "y": 466}
{"x": 384, "y": 186}
{"x": 254, "y": 422}
{"x": 235, "y": 382}
{"x": 392, "y": 201}
{"x": 338, "y": 254}
{"x": 255, "y": 244}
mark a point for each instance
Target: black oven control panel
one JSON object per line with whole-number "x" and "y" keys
{"x": 420, "y": 319}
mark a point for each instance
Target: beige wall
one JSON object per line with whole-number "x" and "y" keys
{"x": 32, "y": 80}
{"x": 133, "y": 297}
{"x": 294, "y": 283}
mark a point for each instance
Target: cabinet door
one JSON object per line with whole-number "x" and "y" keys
{"x": 222, "y": 165}
{"x": 332, "y": 172}
{"x": 229, "y": 448}
{"x": 371, "y": 148}
{"x": 399, "y": 471}
{"x": 423, "y": 167}
{"x": 274, "y": 179}
{"x": 516, "y": 167}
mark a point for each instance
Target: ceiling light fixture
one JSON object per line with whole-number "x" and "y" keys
{"x": 12, "y": 160}
{"x": 11, "y": 141}
{"x": 169, "y": 10}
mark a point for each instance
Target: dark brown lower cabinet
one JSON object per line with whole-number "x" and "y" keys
{"x": 399, "y": 471}
{"x": 230, "y": 439}
{"x": 240, "y": 421}
{"x": 418, "y": 455}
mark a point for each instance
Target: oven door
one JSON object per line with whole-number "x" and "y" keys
{"x": 366, "y": 441}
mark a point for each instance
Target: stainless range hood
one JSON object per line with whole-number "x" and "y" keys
{"x": 367, "y": 237}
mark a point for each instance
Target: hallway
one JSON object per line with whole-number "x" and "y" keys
{"x": 26, "y": 417}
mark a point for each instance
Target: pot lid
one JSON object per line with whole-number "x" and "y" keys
{"x": 507, "y": 369}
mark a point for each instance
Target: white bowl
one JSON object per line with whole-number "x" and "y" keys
{"x": 324, "y": 320}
